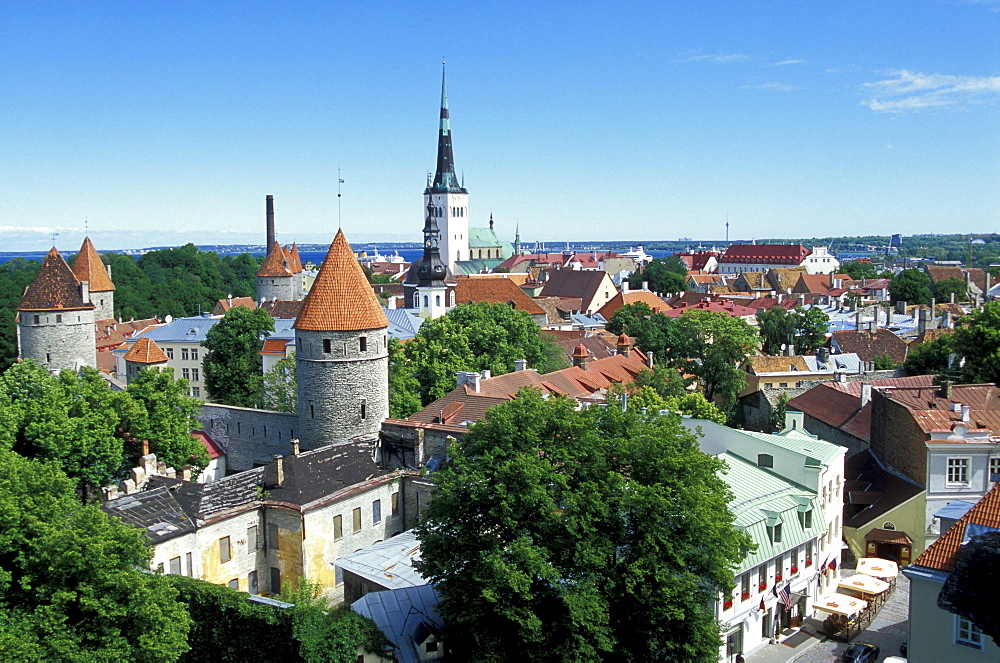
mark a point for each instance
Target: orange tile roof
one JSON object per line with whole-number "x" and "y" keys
{"x": 497, "y": 290}
{"x": 294, "y": 262}
{"x": 275, "y": 346}
{"x": 276, "y": 263}
{"x": 631, "y": 297}
{"x": 223, "y": 305}
{"x": 55, "y": 288}
{"x": 341, "y": 299}
{"x": 943, "y": 553}
{"x": 281, "y": 308}
{"x": 88, "y": 267}
{"x": 145, "y": 351}
{"x": 933, "y": 412}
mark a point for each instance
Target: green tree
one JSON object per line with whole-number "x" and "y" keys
{"x": 977, "y": 340}
{"x": 404, "y": 389}
{"x": 778, "y": 413}
{"x": 15, "y": 275}
{"x": 661, "y": 276}
{"x": 883, "y": 363}
{"x": 70, "y": 578}
{"x": 811, "y": 329}
{"x": 626, "y": 319}
{"x": 280, "y": 388}
{"x": 561, "y": 534}
{"x": 930, "y": 357}
{"x": 713, "y": 346}
{"x": 777, "y": 329}
{"x": 863, "y": 269}
{"x": 970, "y": 590}
{"x": 651, "y": 331}
{"x": 911, "y": 286}
{"x": 165, "y": 416}
{"x": 646, "y": 399}
{"x": 945, "y": 288}
{"x": 232, "y": 367}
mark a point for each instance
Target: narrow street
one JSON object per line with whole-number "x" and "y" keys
{"x": 887, "y": 632}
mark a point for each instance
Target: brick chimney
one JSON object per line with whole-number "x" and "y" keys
{"x": 295, "y": 446}
{"x": 269, "y": 204}
{"x": 274, "y": 474}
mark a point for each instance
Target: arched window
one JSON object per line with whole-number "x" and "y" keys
{"x": 889, "y": 525}
{"x": 425, "y": 301}
{"x": 416, "y": 300}
{"x": 437, "y": 300}
{"x": 452, "y": 298}
{"x": 765, "y": 460}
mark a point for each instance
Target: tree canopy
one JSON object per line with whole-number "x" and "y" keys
{"x": 911, "y": 286}
{"x": 945, "y": 288}
{"x": 232, "y": 367}
{"x": 977, "y": 340}
{"x": 804, "y": 328}
{"x": 91, "y": 432}
{"x": 470, "y": 337}
{"x": 71, "y": 585}
{"x": 666, "y": 275}
{"x": 280, "y": 388}
{"x": 971, "y": 589}
{"x": 565, "y": 534}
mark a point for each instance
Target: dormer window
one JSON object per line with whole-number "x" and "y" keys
{"x": 765, "y": 460}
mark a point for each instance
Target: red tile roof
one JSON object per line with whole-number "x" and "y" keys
{"x": 869, "y": 345}
{"x": 281, "y": 308}
{"x": 341, "y": 299}
{"x": 294, "y": 262}
{"x": 777, "y": 254}
{"x": 943, "y": 553}
{"x": 55, "y": 288}
{"x": 88, "y": 267}
{"x": 724, "y": 306}
{"x": 214, "y": 450}
{"x": 631, "y": 297}
{"x": 223, "y": 305}
{"x": 933, "y": 412}
{"x": 275, "y": 346}
{"x": 276, "y": 264}
{"x": 145, "y": 351}
{"x": 497, "y": 290}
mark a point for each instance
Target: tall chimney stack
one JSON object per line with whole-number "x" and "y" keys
{"x": 270, "y": 223}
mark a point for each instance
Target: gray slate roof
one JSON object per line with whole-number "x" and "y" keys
{"x": 154, "y": 511}
{"x": 406, "y": 616}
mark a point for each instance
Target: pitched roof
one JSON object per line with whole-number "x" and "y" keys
{"x": 294, "y": 262}
{"x": 869, "y": 345}
{"x": 282, "y": 308}
{"x": 812, "y": 283}
{"x": 145, "y": 351}
{"x": 943, "y": 553}
{"x": 341, "y": 299}
{"x": 631, "y": 297}
{"x": 792, "y": 254}
{"x": 276, "y": 264}
{"x": 754, "y": 281}
{"x": 765, "y": 364}
{"x": 497, "y": 290}
{"x": 784, "y": 278}
{"x": 223, "y": 305}
{"x": 572, "y": 283}
{"x": 55, "y": 288}
{"x": 870, "y": 485}
{"x": 942, "y": 272}
{"x": 934, "y": 413}
{"x": 88, "y": 267}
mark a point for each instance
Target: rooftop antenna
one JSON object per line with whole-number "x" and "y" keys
{"x": 54, "y": 235}
{"x": 340, "y": 181}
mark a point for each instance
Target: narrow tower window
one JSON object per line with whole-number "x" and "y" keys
{"x": 326, "y": 345}
{"x": 364, "y": 343}
{"x": 364, "y": 409}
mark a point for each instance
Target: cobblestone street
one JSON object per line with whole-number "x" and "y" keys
{"x": 887, "y": 632}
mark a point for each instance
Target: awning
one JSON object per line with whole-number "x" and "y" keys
{"x": 865, "y": 584}
{"x": 840, "y": 604}
{"x": 878, "y": 568}
{"x": 889, "y": 536}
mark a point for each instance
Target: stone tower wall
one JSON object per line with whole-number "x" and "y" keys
{"x": 60, "y": 339}
{"x": 335, "y": 376}
{"x": 280, "y": 287}
{"x": 104, "y": 304}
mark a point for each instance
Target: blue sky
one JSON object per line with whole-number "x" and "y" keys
{"x": 162, "y": 123}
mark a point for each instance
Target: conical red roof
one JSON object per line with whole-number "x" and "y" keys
{"x": 145, "y": 351}
{"x": 55, "y": 288}
{"x": 276, "y": 263}
{"x": 341, "y": 299}
{"x": 88, "y": 267}
{"x": 294, "y": 262}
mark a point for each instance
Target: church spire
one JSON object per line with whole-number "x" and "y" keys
{"x": 430, "y": 270}
{"x": 445, "y": 178}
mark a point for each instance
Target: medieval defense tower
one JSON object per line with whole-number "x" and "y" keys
{"x": 88, "y": 267}
{"x": 281, "y": 276}
{"x": 56, "y": 318}
{"x": 341, "y": 354}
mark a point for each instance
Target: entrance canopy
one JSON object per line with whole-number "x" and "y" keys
{"x": 840, "y": 604}
{"x": 879, "y": 568}
{"x": 864, "y": 584}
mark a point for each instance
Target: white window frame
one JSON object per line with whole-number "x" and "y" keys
{"x": 960, "y": 462}
{"x": 968, "y": 634}
{"x": 994, "y": 467}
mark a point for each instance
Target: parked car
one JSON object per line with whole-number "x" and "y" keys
{"x": 860, "y": 652}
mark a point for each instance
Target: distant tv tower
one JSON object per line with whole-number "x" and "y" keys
{"x": 727, "y": 231}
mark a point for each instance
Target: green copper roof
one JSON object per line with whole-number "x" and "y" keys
{"x": 486, "y": 238}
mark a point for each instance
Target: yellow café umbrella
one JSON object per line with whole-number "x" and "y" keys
{"x": 840, "y": 604}
{"x": 865, "y": 584}
{"x": 877, "y": 567}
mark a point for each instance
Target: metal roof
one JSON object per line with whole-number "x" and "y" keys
{"x": 388, "y": 564}
{"x": 406, "y": 616}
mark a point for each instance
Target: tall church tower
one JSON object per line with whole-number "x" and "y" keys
{"x": 89, "y": 267}
{"x": 449, "y": 199}
{"x": 56, "y": 318}
{"x": 431, "y": 290}
{"x": 341, "y": 354}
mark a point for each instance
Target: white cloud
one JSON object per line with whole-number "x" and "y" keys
{"x": 695, "y": 56}
{"x": 772, "y": 86}
{"x": 786, "y": 62}
{"x": 989, "y": 5}
{"x": 915, "y": 91}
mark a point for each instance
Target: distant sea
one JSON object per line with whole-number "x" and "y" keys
{"x": 316, "y": 257}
